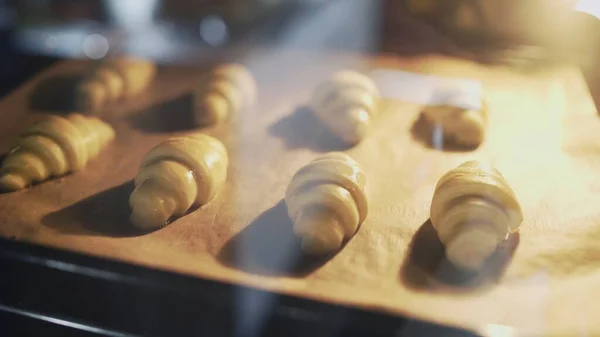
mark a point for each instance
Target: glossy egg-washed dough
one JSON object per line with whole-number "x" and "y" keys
{"x": 175, "y": 175}
{"x": 53, "y": 147}
{"x": 346, "y": 103}
{"x": 112, "y": 80}
{"x": 473, "y": 210}
{"x": 326, "y": 200}
{"x": 227, "y": 88}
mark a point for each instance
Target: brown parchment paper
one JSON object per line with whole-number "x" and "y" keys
{"x": 544, "y": 135}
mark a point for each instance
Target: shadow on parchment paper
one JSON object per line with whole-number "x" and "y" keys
{"x": 171, "y": 116}
{"x": 301, "y": 129}
{"x": 427, "y": 268}
{"x": 424, "y": 133}
{"x": 2, "y": 157}
{"x": 268, "y": 246}
{"x": 55, "y": 94}
{"x": 102, "y": 214}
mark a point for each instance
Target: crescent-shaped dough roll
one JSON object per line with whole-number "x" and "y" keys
{"x": 112, "y": 80}
{"x": 53, "y": 147}
{"x": 228, "y": 88}
{"x": 326, "y": 200}
{"x": 175, "y": 175}
{"x": 345, "y": 104}
{"x": 461, "y": 121}
{"x": 473, "y": 210}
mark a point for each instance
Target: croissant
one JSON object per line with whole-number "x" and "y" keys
{"x": 52, "y": 148}
{"x": 113, "y": 80}
{"x": 175, "y": 175}
{"x": 473, "y": 210}
{"x": 227, "y": 89}
{"x": 326, "y": 200}
{"x": 463, "y": 126}
{"x": 345, "y": 104}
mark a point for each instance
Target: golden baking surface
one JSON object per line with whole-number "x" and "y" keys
{"x": 543, "y": 135}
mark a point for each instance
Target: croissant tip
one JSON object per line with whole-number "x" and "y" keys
{"x": 356, "y": 134}
{"x": 211, "y": 109}
{"x": 144, "y": 221}
{"x": 313, "y": 246}
{"x": 10, "y": 182}
{"x": 469, "y": 250}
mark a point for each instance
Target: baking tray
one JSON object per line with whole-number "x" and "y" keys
{"x": 394, "y": 265}
{"x": 49, "y": 292}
